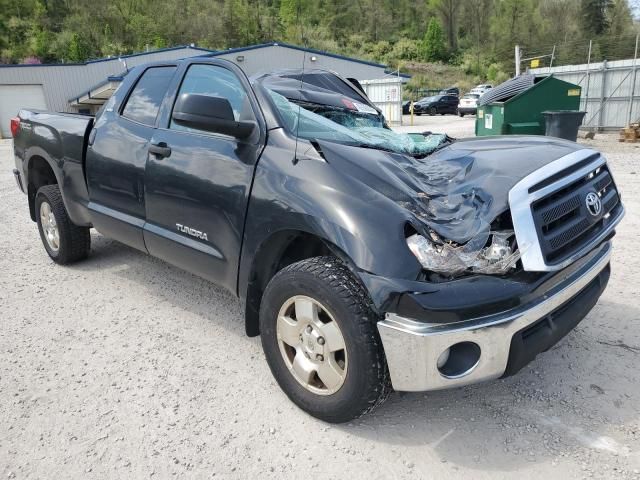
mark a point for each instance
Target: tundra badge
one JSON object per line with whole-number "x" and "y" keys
{"x": 192, "y": 231}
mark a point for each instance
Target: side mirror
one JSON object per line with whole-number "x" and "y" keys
{"x": 211, "y": 114}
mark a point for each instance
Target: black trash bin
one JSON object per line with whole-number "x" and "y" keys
{"x": 563, "y": 124}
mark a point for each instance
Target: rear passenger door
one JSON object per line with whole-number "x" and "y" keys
{"x": 117, "y": 157}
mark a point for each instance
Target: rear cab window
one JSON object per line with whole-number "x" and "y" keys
{"x": 145, "y": 99}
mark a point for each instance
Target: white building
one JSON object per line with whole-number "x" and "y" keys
{"x": 83, "y": 87}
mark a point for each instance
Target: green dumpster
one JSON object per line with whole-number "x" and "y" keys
{"x": 521, "y": 114}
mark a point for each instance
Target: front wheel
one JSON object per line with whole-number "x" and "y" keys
{"x": 320, "y": 339}
{"x": 64, "y": 242}
{"x": 433, "y": 111}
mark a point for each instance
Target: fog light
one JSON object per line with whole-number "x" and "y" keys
{"x": 459, "y": 360}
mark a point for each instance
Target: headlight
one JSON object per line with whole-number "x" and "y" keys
{"x": 496, "y": 258}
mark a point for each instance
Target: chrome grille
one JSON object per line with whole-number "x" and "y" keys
{"x": 551, "y": 219}
{"x": 562, "y": 218}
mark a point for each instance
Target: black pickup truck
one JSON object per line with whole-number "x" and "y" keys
{"x": 366, "y": 259}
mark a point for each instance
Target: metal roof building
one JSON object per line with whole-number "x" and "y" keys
{"x": 83, "y": 87}
{"x": 53, "y": 86}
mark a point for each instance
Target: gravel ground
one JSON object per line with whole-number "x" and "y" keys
{"x": 125, "y": 367}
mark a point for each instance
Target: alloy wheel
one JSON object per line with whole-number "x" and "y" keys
{"x": 312, "y": 345}
{"x": 49, "y": 226}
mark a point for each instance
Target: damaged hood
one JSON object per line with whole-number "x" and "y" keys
{"x": 457, "y": 191}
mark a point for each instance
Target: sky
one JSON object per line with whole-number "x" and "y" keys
{"x": 635, "y": 8}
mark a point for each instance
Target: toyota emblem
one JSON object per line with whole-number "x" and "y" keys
{"x": 594, "y": 204}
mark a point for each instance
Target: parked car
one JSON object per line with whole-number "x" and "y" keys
{"x": 406, "y": 107}
{"x": 450, "y": 91}
{"x": 481, "y": 89}
{"x": 468, "y": 104}
{"x": 437, "y": 104}
{"x": 365, "y": 259}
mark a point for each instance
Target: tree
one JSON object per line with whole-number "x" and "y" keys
{"x": 594, "y": 17}
{"x": 515, "y": 22}
{"x": 448, "y": 11}
{"x": 619, "y": 41}
{"x": 561, "y": 19}
{"x": 474, "y": 33}
{"x": 79, "y": 49}
{"x": 620, "y": 19}
{"x": 433, "y": 43}
{"x": 477, "y": 14}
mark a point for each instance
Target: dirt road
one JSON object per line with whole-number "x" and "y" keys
{"x": 125, "y": 367}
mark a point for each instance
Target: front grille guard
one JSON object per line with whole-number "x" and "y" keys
{"x": 521, "y": 197}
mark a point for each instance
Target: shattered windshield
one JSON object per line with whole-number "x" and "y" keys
{"x": 343, "y": 120}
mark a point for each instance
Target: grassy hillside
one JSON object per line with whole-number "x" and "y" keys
{"x": 437, "y": 76}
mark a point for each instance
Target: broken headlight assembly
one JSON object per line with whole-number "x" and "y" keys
{"x": 496, "y": 255}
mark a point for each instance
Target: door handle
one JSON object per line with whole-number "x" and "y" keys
{"x": 160, "y": 150}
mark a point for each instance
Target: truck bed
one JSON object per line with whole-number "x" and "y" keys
{"x": 63, "y": 134}
{"x": 59, "y": 139}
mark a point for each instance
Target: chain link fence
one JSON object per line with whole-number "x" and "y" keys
{"x": 607, "y": 71}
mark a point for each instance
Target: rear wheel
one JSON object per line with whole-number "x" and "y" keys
{"x": 320, "y": 338}
{"x": 461, "y": 114}
{"x": 63, "y": 241}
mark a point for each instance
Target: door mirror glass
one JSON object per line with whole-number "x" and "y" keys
{"x": 211, "y": 114}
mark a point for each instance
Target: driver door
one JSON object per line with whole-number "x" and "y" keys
{"x": 197, "y": 183}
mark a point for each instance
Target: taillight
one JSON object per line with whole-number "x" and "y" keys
{"x": 15, "y": 126}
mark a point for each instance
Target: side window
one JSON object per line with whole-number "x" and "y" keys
{"x": 216, "y": 81}
{"x": 145, "y": 99}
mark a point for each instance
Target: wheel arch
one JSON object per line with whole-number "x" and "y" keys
{"x": 278, "y": 251}
{"x": 39, "y": 172}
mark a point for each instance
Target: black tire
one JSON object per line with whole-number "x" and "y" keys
{"x": 330, "y": 282}
{"x": 433, "y": 111}
{"x": 74, "y": 241}
{"x": 461, "y": 114}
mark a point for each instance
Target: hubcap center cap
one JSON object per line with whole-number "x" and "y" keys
{"x": 311, "y": 344}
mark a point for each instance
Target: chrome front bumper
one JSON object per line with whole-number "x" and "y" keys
{"x": 413, "y": 348}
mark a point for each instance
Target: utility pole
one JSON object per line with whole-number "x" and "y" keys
{"x": 586, "y": 95}
{"x": 518, "y": 54}
{"x": 633, "y": 82}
